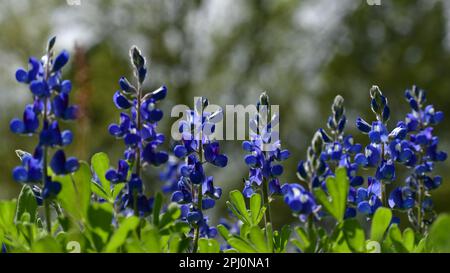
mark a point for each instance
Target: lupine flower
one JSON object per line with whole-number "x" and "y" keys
{"x": 31, "y": 169}
{"x": 50, "y": 95}
{"x": 171, "y": 175}
{"x": 299, "y": 200}
{"x": 368, "y": 200}
{"x": 402, "y": 198}
{"x": 137, "y": 128}
{"x": 419, "y": 151}
{"x": 377, "y": 154}
{"x": 196, "y": 191}
{"x": 412, "y": 144}
{"x": 265, "y": 153}
{"x": 314, "y": 170}
{"x": 339, "y": 151}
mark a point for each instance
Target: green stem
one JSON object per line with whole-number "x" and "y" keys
{"x": 47, "y": 216}
{"x": 45, "y": 155}
{"x": 267, "y": 215}
{"x": 383, "y": 185}
{"x": 138, "y": 149}
{"x": 419, "y": 208}
{"x": 199, "y": 198}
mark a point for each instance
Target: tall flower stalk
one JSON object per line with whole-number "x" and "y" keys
{"x": 137, "y": 128}
{"x": 339, "y": 151}
{"x": 264, "y": 154}
{"x": 419, "y": 151}
{"x": 196, "y": 191}
{"x": 50, "y": 105}
{"x": 377, "y": 153}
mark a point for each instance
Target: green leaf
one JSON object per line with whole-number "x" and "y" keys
{"x": 258, "y": 239}
{"x": 397, "y": 239}
{"x": 121, "y": 234}
{"x": 174, "y": 243}
{"x": 354, "y": 235}
{"x": 409, "y": 239}
{"x": 281, "y": 239}
{"x": 336, "y": 201}
{"x": 255, "y": 207}
{"x": 157, "y": 207}
{"x": 223, "y": 231}
{"x": 238, "y": 207}
{"x": 303, "y": 243}
{"x": 241, "y": 246}
{"x": 76, "y": 191}
{"x": 439, "y": 236}
{"x": 380, "y": 223}
{"x": 339, "y": 243}
{"x": 98, "y": 190}
{"x": 26, "y": 204}
{"x": 100, "y": 164}
{"x": 7, "y": 212}
{"x": 208, "y": 246}
{"x": 151, "y": 239}
{"x": 100, "y": 217}
{"x": 117, "y": 188}
{"x": 173, "y": 212}
{"x": 46, "y": 245}
{"x": 269, "y": 234}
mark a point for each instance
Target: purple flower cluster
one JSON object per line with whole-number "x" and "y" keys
{"x": 50, "y": 105}
{"x": 264, "y": 151}
{"x": 329, "y": 150}
{"x": 137, "y": 127}
{"x": 411, "y": 144}
{"x": 419, "y": 151}
{"x": 196, "y": 191}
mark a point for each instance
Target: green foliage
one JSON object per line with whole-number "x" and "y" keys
{"x": 439, "y": 238}
{"x": 75, "y": 194}
{"x": 336, "y": 200}
{"x": 26, "y": 204}
{"x": 252, "y": 238}
{"x": 83, "y": 225}
{"x": 354, "y": 235}
{"x": 208, "y": 246}
{"x": 100, "y": 165}
{"x": 380, "y": 223}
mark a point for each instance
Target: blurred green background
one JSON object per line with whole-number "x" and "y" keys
{"x": 302, "y": 53}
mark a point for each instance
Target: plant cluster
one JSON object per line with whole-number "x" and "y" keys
{"x": 69, "y": 205}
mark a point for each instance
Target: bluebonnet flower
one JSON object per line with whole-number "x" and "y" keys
{"x": 340, "y": 150}
{"x": 419, "y": 151}
{"x": 299, "y": 200}
{"x": 368, "y": 200}
{"x": 137, "y": 128}
{"x": 196, "y": 191}
{"x": 50, "y": 95}
{"x": 31, "y": 169}
{"x": 402, "y": 198}
{"x": 171, "y": 175}
{"x": 330, "y": 150}
{"x": 411, "y": 144}
{"x": 377, "y": 153}
{"x": 265, "y": 152}
{"x": 314, "y": 169}
{"x": 134, "y": 198}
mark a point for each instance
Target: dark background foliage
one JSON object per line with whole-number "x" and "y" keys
{"x": 302, "y": 53}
